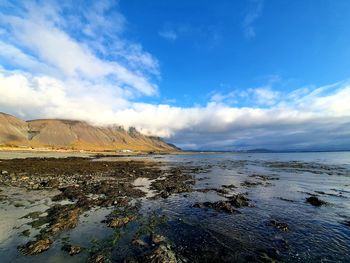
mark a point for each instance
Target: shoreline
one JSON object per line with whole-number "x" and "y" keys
{"x": 34, "y": 153}
{"x": 166, "y": 208}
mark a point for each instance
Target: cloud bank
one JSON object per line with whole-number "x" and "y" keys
{"x": 60, "y": 61}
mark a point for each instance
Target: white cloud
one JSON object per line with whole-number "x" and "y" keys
{"x": 254, "y": 12}
{"x": 212, "y": 126}
{"x": 227, "y": 98}
{"x": 168, "y": 34}
{"x": 54, "y": 68}
{"x": 17, "y": 57}
{"x": 262, "y": 96}
{"x": 265, "y": 95}
{"x": 38, "y": 30}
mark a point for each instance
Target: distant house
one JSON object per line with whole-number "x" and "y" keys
{"x": 126, "y": 151}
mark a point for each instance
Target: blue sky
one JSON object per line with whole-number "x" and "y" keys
{"x": 209, "y": 48}
{"x": 202, "y": 74}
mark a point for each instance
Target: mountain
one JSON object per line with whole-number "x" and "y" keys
{"x": 76, "y": 135}
{"x": 12, "y": 129}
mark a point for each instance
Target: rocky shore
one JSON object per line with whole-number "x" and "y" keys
{"x": 79, "y": 186}
{"x": 88, "y": 183}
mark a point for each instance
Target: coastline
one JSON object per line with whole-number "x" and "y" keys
{"x": 9, "y": 153}
{"x": 173, "y": 208}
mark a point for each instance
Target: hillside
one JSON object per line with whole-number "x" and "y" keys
{"x": 76, "y": 135}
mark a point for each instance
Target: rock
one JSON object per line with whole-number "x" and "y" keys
{"x": 35, "y": 186}
{"x": 26, "y": 233}
{"x": 62, "y": 218}
{"x": 3, "y": 172}
{"x": 18, "y": 205}
{"x": 174, "y": 183}
{"x": 221, "y": 191}
{"x": 165, "y": 194}
{"x": 229, "y": 186}
{"x": 235, "y": 201}
{"x": 286, "y": 199}
{"x": 24, "y": 178}
{"x": 279, "y": 225}
{"x": 250, "y": 184}
{"x": 98, "y": 259}
{"x": 119, "y": 222}
{"x": 239, "y": 200}
{"x": 139, "y": 242}
{"x": 220, "y": 206}
{"x": 157, "y": 239}
{"x": 52, "y": 183}
{"x": 163, "y": 253}
{"x": 71, "y": 249}
{"x": 224, "y": 206}
{"x": 36, "y": 247}
{"x": 315, "y": 201}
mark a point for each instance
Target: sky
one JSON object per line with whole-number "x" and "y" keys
{"x": 205, "y": 75}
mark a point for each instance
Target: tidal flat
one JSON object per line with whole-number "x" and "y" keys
{"x": 256, "y": 207}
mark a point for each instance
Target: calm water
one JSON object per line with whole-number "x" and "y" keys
{"x": 316, "y": 234}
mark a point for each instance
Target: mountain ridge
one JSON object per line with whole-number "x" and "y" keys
{"x": 75, "y": 135}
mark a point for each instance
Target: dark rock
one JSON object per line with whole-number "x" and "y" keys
{"x": 264, "y": 177}
{"x": 157, "y": 239}
{"x": 220, "y": 206}
{"x": 62, "y": 217}
{"x": 162, "y": 253}
{"x": 53, "y": 183}
{"x": 175, "y": 182}
{"x": 315, "y": 201}
{"x": 222, "y": 192}
{"x": 286, "y": 199}
{"x": 250, "y": 184}
{"x": 119, "y": 222}
{"x": 235, "y": 201}
{"x": 239, "y": 200}
{"x": 202, "y": 178}
{"x": 26, "y": 233}
{"x": 18, "y": 205}
{"x": 71, "y": 249}
{"x": 139, "y": 242}
{"x": 99, "y": 259}
{"x": 279, "y": 225}
{"x": 229, "y": 186}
